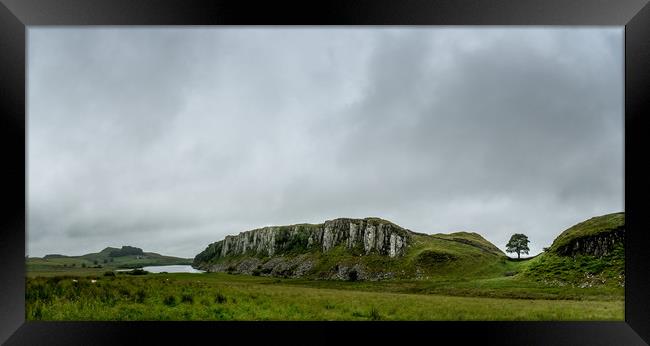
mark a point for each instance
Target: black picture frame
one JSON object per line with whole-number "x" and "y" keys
{"x": 16, "y": 15}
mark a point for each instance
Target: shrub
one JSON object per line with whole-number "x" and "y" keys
{"x": 374, "y": 314}
{"x": 257, "y": 272}
{"x": 353, "y": 275}
{"x": 140, "y": 295}
{"x": 170, "y": 300}
{"x": 109, "y": 273}
{"x": 138, "y": 271}
{"x": 83, "y": 265}
{"x": 125, "y": 292}
{"x": 187, "y": 298}
{"x": 220, "y": 298}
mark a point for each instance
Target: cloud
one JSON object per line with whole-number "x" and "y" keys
{"x": 170, "y": 139}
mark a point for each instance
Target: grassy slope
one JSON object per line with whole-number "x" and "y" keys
{"x": 581, "y": 270}
{"x": 593, "y": 226}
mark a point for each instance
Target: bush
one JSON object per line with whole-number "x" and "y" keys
{"x": 140, "y": 295}
{"x": 220, "y": 298}
{"x": 138, "y": 271}
{"x": 187, "y": 298}
{"x": 109, "y": 273}
{"x": 353, "y": 275}
{"x": 170, "y": 300}
{"x": 257, "y": 272}
{"x": 374, "y": 314}
{"x": 83, "y": 265}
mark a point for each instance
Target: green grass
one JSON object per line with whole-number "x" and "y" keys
{"x": 581, "y": 270}
{"x": 458, "y": 276}
{"x": 218, "y": 296}
{"x": 556, "y": 267}
{"x": 591, "y": 227}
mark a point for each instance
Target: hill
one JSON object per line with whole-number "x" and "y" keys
{"x": 589, "y": 253}
{"x": 353, "y": 249}
{"x": 110, "y": 257}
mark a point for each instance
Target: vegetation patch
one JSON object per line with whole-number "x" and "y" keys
{"x": 244, "y": 297}
{"x": 432, "y": 258}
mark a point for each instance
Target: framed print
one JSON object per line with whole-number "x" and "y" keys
{"x": 471, "y": 170}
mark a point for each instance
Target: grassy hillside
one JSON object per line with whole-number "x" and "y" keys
{"x": 588, "y": 254}
{"x": 92, "y": 263}
{"x": 454, "y": 255}
{"x": 595, "y": 226}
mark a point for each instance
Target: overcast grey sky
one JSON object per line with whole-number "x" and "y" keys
{"x": 172, "y": 138}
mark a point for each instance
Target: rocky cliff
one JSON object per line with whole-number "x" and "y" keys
{"x": 598, "y": 245}
{"x": 373, "y": 235}
{"x": 357, "y": 236}
{"x": 346, "y": 249}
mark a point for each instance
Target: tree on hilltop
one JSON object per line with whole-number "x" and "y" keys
{"x": 518, "y": 243}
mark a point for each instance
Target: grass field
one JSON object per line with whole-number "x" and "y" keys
{"x": 220, "y": 296}
{"x": 457, "y": 276}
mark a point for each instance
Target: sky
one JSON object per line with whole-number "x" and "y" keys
{"x": 169, "y": 139}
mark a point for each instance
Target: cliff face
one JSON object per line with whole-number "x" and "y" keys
{"x": 598, "y": 245}
{"x": 371, "y": 235}
{"x": 290, "y": 250}
{"x": 596, "y": 237}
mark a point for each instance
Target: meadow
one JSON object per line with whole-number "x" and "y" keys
{"x": 459, "y": 276}
{"x": 222, "y": 296}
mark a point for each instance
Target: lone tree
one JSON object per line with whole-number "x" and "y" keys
{"x": 518, "y": 243}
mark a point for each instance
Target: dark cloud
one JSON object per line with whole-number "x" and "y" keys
{"x": 169, "y": 139}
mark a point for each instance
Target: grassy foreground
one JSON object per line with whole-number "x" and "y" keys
{"x": 219, "y": 296}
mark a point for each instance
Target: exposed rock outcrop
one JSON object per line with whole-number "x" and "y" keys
{"x": 597, "y": 245}
{"x": 277, "y": 250}
{"x": 372, "y": 235}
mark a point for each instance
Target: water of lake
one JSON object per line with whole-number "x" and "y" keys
{"x": 172, "y": 269}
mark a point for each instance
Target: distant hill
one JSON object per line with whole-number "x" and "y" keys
{"x": 110, "y": 257}
{"x": 353, "y": 249}
{"x": 589, "y": 253}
